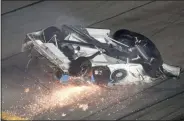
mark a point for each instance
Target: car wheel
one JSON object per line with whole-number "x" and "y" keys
{"x": 101, "y": 74}
{"x": 80, "y": 67}
{"x": 124, "y": 36}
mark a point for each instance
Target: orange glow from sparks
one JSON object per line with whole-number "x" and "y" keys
{"x": 61, "y": 97}
{"x": 26, "y": 90}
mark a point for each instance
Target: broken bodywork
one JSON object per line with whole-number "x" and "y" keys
{"x": 88, "y": 52}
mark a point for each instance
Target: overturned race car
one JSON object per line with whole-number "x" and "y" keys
{"x": 95, "y": 56}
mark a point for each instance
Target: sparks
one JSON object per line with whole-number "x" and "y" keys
{"x": 84, "y": 107}
{"x": 61, "y": 97}
{"x": 26, "y": 90}
{"x": 63, "y": 114}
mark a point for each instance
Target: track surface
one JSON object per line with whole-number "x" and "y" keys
{"x": 160, "y": 21}
{"x": 157, "y": 100}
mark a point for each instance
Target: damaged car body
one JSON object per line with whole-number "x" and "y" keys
{"x": 89, "y": 52}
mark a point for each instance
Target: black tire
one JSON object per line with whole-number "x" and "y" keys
{"x": 80, "y": 67}
{"x": 128, "y": 37}
{"x": 116, "y": 78}
{"x": 101, "y": 74}
{"x": 50, "y": 32}
{"x": 124, "y": 36}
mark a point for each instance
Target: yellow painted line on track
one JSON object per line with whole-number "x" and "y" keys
{"x": 8, "y": 116}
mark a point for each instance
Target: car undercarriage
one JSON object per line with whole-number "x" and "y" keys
{"x": 95, "y": 53}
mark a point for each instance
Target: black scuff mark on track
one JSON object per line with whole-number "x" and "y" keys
{"x": 29, "y": 5}
{"x": 180, "y": 93}
{"x": 134, "y": 8}
{"x": 124, "y": 99}
{"x": 162, "y": 118}
{"x": 6, "y": 58}
{"x": 178, "y": 118}
{"x": 168, "y": 25}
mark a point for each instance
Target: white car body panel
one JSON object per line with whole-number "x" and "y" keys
{"x": 55, "y": 56}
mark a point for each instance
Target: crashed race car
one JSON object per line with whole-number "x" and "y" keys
{"x": 97, "y": 56}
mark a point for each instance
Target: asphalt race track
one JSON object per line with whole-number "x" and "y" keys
{"x": 32, "y": 93}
